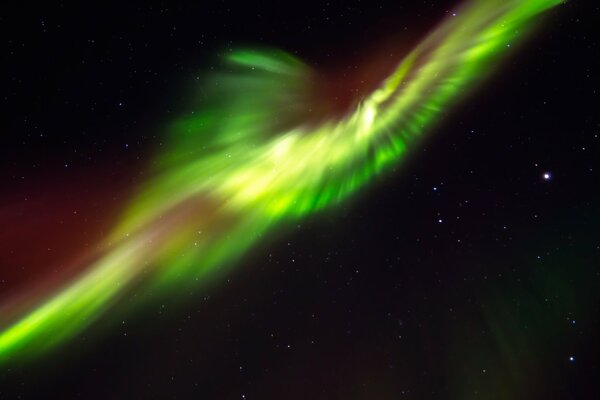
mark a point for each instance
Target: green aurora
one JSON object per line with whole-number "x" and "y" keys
{"x": 235, "y": 170}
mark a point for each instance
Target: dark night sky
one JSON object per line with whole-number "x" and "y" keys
{"x": 377, "y": 299}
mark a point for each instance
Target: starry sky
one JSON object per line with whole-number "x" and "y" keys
{"x": 470, "y": 272}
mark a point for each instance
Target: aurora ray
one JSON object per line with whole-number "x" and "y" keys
{"x": 261, "y": 155}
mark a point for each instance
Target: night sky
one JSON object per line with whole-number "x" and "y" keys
{"x": 470, "y": 271}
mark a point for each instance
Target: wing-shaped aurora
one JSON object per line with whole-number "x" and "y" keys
{"x": 255, "y": 156}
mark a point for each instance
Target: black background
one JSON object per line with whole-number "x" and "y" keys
{"x": 374, "y": 300}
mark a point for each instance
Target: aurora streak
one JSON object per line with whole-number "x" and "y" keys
{"x": 256, "y": 158}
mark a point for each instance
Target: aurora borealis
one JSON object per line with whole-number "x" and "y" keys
{"x": 264, "y": 151}
{"x": 236, "y": 190}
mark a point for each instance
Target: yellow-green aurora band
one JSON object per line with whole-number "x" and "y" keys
{"x": 250, "y": 160}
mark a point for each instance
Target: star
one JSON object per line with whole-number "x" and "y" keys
{"x": 547, "y": 176}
